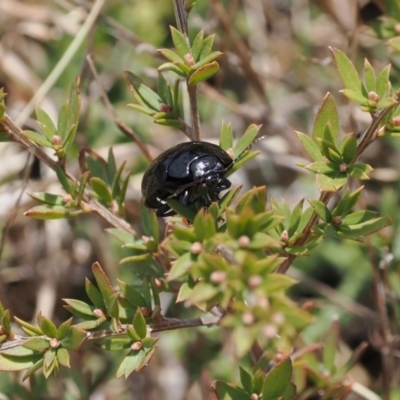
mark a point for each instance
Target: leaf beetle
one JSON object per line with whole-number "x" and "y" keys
{"x": 178, "y": 173}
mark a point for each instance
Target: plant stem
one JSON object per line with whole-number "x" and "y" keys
{"x": 8, "y": 126}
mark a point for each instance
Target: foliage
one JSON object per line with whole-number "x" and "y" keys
{"x": 230, "y": 264}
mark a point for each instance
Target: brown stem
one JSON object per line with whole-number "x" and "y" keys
{"x": 8, "y": 126}
{"x": 192, "y": 90}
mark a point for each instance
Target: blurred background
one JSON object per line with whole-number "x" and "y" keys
{"x": 275, "y": 71}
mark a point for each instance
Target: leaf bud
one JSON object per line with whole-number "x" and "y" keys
{"x": 337, "y": 220}
{"x": 54, "y": 343}
{"x": 218, "y": 277}
{"x": 196, "y": 248}
{"x": 98, "y": 313}
{"x": 244, "y": 242}
{"x": 56, "y": 140}
{"x": 165, "y": 108}
{"x": 343, "y": 167}
{"x": 136, "y": 346}
{"x": 285, "y": 236}
{"x": 270, "y": 331}
{"x": 189, "y": 60}
{"x": 254, "y": 281}
{"x": 248, "y": 318}
{"x": 373, "y": 98}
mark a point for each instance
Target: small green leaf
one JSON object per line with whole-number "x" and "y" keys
{"x": 142, "y": 109}
{"x": 322, "y": 210}
{"x": 365, "y": 228}
{"x": 369, "y": 77}
{"x": 132, "y": 295}
{"x": 171, "y": 56}
{"x": 150, "y": 223}
{"x": 28, "y": 328}
{"x": 246, "y": 380}
{"x": 150, "y": 98}
{"x": 382, "y": 81}
{"x": 327, "y": 115}
{"x": 171, "y": 67}
{"x": 359, "y": 216}
{"x": 349, "y": 148}
{"x": 101, "y": 189}
{"x": 347, "y": 202}
{"x": 277, "y": 380}
{"x": 164, "y": 90}
{"x": 37, "y": 344}
{"x": 203, "y": 73}
{"x": 330, "y": 348}
{"x": 80, "y": 306}
{"x": 48, "y": 198}
{"x": 13, "y": 364}
{"x": 64, "y": 180}
{"x": 355, "y": 96}
{"x": 63, "y": 329}
{"x": 246, "y": 140}
{"x": 348, "y": 74}
{"x": 180, "y": 267}
{"x": 180, "y": 43}
{"x": 115, "y": 344}
{"x": 331, "y": 182}
{"x": 38, "y": 139}
{"x": 204, "y": 226}
{"x": 295, "y": 218}
{"x": 197, "y": 45}
{"x": 322, "y": 167}
{"x": 255, "y": 198}
{"x": 226, "y": 391}
{"x": 74, "y": 339}
{"x": 47, "y": 326}
{"x": 359, "y": 170}
{"x": 47, "y": 212}
{"x": 206, "y": 60}
{"x": 310, "y": 146}
{"x": 386, "y": 102}
{"x": 139, "y": 324}
{"x": 207, "y": 46}
{"x": 104, "y": 284}
{"x": 226, "y": 136}
{"x": 63, "y": 357}
{"x": 94, "y": 294}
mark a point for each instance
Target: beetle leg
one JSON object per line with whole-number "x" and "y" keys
{"x": 224, "y": 184}
{"x": 165, "y": 211}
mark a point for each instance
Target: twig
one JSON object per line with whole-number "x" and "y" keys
{"x": 62, "y": 64}
{"x": 181, "y": 16}
{"x": 10, "y": 128}
{"x": 386, "y": 348}
{"x": 165, "y": 324}
{"x": 121, "y": 125}
{"x": 192, "y": 91}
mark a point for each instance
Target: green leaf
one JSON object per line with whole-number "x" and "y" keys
{"x": 164, "y": 90}
{"x": 204, "y": 226}
{"x": 150, "y": 98}
{"x": 277, "y": 380}
{"x": 139, "y": 324}
{"x": 347, "y": 202}
{"x": 180, "y": 267}
{"x": 47, "y": 212}
{"x": 37, "y": 344}
{"x": 171, "y": 56}
{"x": 73, "y": 110}
{"x": 207, "y": 46}
{"x": 246, "y": 140}
{"x": 356, "y": 96}
{"x": 132, "y": 295}
{"x": 310, "y": 146}
{"x": 150, "y": 223}
{"x": 206, "y": 60}
{"x": 142, "y": 109}
{"x": 255, "y": 199}
{"x": 104, "y": 284}
{"x": 322, "y": 167}
{"x": 13, "y": 364}
{"x": 226, "y": 391}
{"x": 360, "y": 216}
{"x": 197, "y": 45}
{"x": 33, "y": 369}
{"x": 63, "y": 329}
{"x": 349, "y": 148}
{"x": 246, "y": 380}
{"x": 63, "y": 357}
{"x": 94, "y": 294}
{"x": 226, "y": 136}
{"x": 180, "y": 43}
{"x": 48, "y": 198}
{"x": 80, "y": 306}
{"x": 365, "y": 228}
{"x": 327, "y": 115}
{"x": 277, "y": 282}
{"x": 295, "y": 218}
{"x": 321, "y": 210}
{"x": 348, "y": 74}
{"x": 359, "y": 170}
{"x": 171, "y": 67}
{"x": 203, "y": 73}
{"x": 369, "y": 77}
{"x": 47, "y": 326}
{"x": 331, "y": 182}
{"x": 382, "y": 81}
{"x": 74, "y": 339}
{"x": 330, "y": 348}
{"x": 28, "y": 328}
{"x": 64, "y": 180}
{"x": 115, "y": 344}
{"x": 38, "y": 139}
{"x": 101, "y": 189}
{"x": 386, "y": 102}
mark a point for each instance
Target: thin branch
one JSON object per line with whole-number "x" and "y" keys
{"x": 121, "y": 125}
{"x": 192, "y": 90}
{"x": 165, "y": 324}
{"x": 8, "y": 126}
{"x": 181, "y": 16}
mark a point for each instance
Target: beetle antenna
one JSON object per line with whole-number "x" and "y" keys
{"x": 251, "y": 145}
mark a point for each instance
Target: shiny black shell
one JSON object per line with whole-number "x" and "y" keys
{"x": 178, "y": 171}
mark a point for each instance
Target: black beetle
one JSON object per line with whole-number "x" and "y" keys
{"x": 179, "y": 171}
